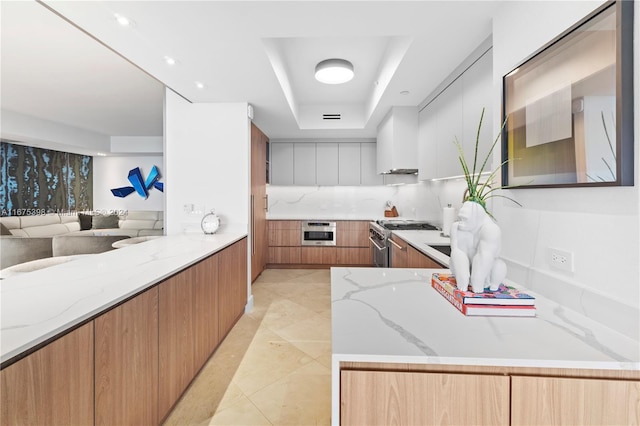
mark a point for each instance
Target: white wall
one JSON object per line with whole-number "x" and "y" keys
{"x": 41, "y": 133}
{"x": 112, "y": 172}
{"x": 600, "y": 226}
{"x": 207, "y": 149}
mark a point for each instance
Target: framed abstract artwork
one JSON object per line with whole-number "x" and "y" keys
{"x": 568, "y": 109}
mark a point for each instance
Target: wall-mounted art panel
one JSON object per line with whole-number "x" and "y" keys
{"x": 569, "y": 108}
{"x": 35, "y": 180}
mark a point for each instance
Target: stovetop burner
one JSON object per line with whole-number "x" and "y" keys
{"x": 406, "y": 225}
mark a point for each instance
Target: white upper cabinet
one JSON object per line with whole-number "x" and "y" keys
{"x": 398, "y": 140}
{"x": 368, "y": 161}
{"x": 455, "y": 113}
{"x": 304, "y": 164}
{"x": 324, "y": 163}
{"x": 281, "y": 172}
{"x": 449, "y": 128}
{"x": 477, "y": 85}
{"x": 349, "y": 163}
{"x": 327, "y": 163}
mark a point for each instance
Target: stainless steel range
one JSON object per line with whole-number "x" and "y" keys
{"x": 380, "y": 231}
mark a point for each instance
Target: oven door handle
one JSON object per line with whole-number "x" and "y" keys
{"x": 376, "y": 244}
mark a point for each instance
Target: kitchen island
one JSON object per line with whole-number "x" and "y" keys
{"x": 116, "y": 337}
{"x": 400, "y": 349}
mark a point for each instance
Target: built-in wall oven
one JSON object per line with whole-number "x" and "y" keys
{"x": 318, "y": 233}
{"x": 380, "y": 233}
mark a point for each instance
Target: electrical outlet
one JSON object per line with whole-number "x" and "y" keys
{"x": 561, "y": 259}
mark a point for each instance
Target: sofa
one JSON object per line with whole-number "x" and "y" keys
{"x": 28, "y": 238}
{"x": 138, "y": 223}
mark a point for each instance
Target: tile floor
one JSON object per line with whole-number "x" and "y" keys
{"x": 274, "y": 367}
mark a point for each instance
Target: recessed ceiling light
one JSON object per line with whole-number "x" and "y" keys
{"x": 404, "y": 92}
{"x": 101, "y": 154}
{"x": 199, "y": 85}
{"x": 123, "y": 20}
{"x": 334, "y": 71}
{"x": 170, "y": 61}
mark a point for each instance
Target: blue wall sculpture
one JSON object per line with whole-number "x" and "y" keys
{"x": 140, "y": 185}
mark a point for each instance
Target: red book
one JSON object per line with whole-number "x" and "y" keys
{"x": 455, "y": 297}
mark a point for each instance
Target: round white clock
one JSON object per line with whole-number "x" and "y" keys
{"x": 210, "y": 223}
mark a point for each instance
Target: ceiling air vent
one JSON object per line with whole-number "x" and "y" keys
{"x": 331, "y": 116}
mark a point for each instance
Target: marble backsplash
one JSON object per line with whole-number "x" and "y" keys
{"x": 420, "y": 201}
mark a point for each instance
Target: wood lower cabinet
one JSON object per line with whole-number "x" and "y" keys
{"x": 285, "y": 248}
{"x": 318, "y": 255}
{"x": 404, "y": 255}
{"x": 206, "y": 291}
{"x": 53, "y": 385}
{"x": 176, "y": 338}
{"x": 417, "y": 259}
{"x": 126, "y": 363}
{"x": 574, "y": 401}
{"x": 415, "y": 398}
{"x": 399, "y": 247}
{"x": 232, "y": 280}
{"x": 131, "y": 364}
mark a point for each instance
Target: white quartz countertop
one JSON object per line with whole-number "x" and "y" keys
{"x": 39, "y": 305}
{"x": 394, "y": 315}
{"x": 325, "y": 216}
{"x": 422, "y": 240}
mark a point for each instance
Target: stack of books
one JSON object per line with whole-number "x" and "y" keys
{"x": 506, "y": 301}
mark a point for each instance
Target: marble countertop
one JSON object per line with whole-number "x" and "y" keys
{"x": 394, "y": 315}
{"x": 325, "y": 216}
{"x": 422, "y": 240}
{"x": 38, "y": 305}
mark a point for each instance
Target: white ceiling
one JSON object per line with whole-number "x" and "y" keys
{"x": 261, "y": 52}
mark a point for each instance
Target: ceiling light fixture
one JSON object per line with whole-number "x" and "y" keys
{"x": 334, "y": 71}
{"x": 199, "y": 85}
{"x": 170, "y": 61}
{"x": 123, "y": 20}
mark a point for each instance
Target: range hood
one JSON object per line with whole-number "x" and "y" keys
{"x": 397, "y": 142}
{"x": 402, "y": 172}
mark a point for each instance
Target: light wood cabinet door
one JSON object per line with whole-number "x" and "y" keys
{"x": 284, "y": 255}
{"x": 284, "y": 233}
{"x": 354, "y": 256}
{"x": 574, "y": 401}
{"x": 232, "y": 282}
{"x": 417, "y": 259}
{"x": 52, "y": 386}
{"x": 352, "y": 233}
{"x": 207, "y": 334}
{"x": 126, "y": 363}
{"x": 399, "y": 257}
{"x": 259, "y": 200}
{"x": 176, "y": 338}
{"x": 318, "y": 255}
{"x": 387, "y": 397}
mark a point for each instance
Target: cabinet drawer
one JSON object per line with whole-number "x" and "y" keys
{"x": 575, "y": 401}
{"x": 355, "y": 256}
{"x": 284, "y": 255}
{"x": 318, "y": 255}
{"x": 352, "y": 233}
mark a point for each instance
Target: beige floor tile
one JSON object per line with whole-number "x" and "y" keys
{"x": 284, "y": 312}
{"x": 280, "y": 353}
{"x": 269, "y": 359}
{"x": 301, "y": 398}
{"x": 312, "y": 336}
{"x": 242, "y": 413}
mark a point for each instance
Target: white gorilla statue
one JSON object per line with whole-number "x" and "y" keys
{"x": 475, "y": 247}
